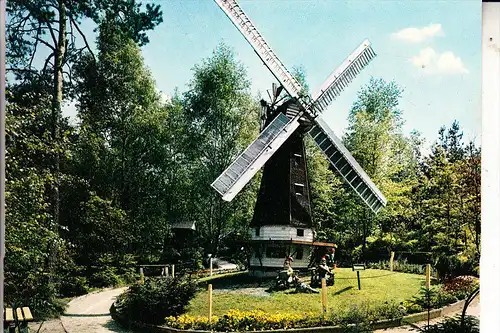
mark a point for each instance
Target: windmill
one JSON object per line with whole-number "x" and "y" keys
{"x": 282, "y": 223}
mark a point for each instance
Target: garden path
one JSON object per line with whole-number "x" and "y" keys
{"x": 90, "y": 313}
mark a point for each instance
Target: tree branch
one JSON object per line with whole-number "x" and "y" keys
{"x": 83, "y": 36}
{"x": 47, "y": 62}
{"x": 34, "y": 47}
{"x": 37, "y": 39}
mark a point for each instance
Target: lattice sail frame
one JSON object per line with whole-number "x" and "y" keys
{"x": 239, "y": 173}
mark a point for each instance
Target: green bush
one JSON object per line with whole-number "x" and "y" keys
{"x": 71, "y": 286}
{"x": 412, "y": 307}
{"x": 156, "y": 299}
{"x": 127, "y": 268}
{"x": 105, "y": 274}
{"x": 399, "y": 266}
{"x": 451, "y": 266}
{"x": 106, "y": 277}
{"x": 453, "y": 325}
{"x": 433, "y": 298}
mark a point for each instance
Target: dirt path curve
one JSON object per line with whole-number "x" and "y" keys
{"x": 474, "y": 310}
{"x": 90, "y": 313}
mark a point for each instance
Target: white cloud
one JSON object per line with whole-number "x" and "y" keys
{"x": 418, "y": 35}
{"x": 434, "y": 63}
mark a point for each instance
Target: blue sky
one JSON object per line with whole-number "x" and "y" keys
{"x": 430, "y": 48}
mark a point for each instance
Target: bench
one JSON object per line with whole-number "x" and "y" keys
{"x": 17, "y": 319}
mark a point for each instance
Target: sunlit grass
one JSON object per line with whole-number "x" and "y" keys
{"x": 377, "y": 287}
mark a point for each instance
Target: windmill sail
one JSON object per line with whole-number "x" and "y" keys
{"x": 342, "y": 76}
{"x": 263, "y": 50}
{"x": 345, "y": 164}
{"x": 239, "y": 173}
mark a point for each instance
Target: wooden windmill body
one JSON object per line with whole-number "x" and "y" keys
{"x": 282, "y": 222}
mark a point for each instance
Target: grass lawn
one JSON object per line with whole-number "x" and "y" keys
{"x": 239, "y": 293}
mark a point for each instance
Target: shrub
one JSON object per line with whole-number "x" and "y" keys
{"x": 127, "y": 270}
{"x": 461, "y": 286}
{"x": 105, "y": 278}
{"x": 450, "y": 266}
{"x": 106, "y": 274}
{"x": 157, "y": 299}
{"x": 399, "y": 266}
{"x": 412, "y": 307}
{"x": 453, "y": 325}
{"x": 71, "y": 286}
{"x": 433, "y": 298}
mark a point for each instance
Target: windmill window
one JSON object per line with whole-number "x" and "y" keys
{"x": 300, "y": 232}
{"x": 299, "y": 189}
{"x": 300, "y": 253}
{"x": 276, "y": 252}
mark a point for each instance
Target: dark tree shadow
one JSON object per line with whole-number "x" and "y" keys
{"x": 113, "y": 326}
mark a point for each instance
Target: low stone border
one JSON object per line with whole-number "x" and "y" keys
{"x": 382, "y": 324}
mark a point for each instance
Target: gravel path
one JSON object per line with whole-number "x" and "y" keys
{"x": 90, "y": 313}
{"x": 474, "y": 310}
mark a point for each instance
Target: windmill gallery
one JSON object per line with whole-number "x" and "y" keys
{"x": 282, "y": 224}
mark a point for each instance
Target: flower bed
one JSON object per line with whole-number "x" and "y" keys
{"x": 201, "y": 325}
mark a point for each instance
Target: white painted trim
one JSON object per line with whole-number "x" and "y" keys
{"x": 338, "y": 71}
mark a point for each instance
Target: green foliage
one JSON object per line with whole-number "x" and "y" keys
{"x": 398, "y": 266}
{"x": 157, "y": 299}
{"x": 72, "y": 286}
{"x": 222, "y": 119}
{"x": 450, "y": 266}
{"x": 31, "y": 236}
{"x": 470, "y": 324}
{"x": 105, "y": 274}
{"x": 433, "y": 298}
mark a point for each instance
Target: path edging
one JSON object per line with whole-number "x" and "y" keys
{"x": 382, "y": 324}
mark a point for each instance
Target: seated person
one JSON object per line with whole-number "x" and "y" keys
{"x": 330, "y": 256}
{"x": 302, "y": 287}
{"x": 287, "y": 265}
{"x": 323, "y": 269}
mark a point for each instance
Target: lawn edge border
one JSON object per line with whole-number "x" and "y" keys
{"x": 382, "y": 324}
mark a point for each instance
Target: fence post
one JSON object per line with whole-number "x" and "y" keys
{"x": 323, "y": 296}
{"x": 392, "y": 261}
{"x": 166, "y": 271}
{"x": 428, "y": 276}
{"x": 210, "y": 259}
{"x": 173, "y": 270}
{"x": 141, "y": 273}
{"x": 210, "y": 303}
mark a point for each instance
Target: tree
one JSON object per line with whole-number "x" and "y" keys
{"x": 451, "y": 206}
{"x": 375, "y": 139}
{"x": 31, "y": 236}
{"x": 36, "y": 28}
{"x": 222, "y": 120}
{"x": 128, "y": 146}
